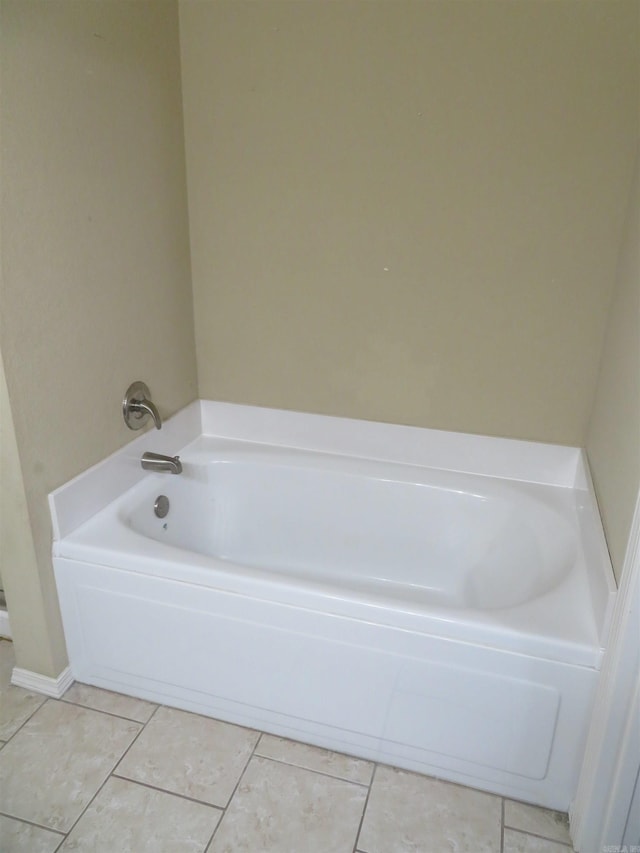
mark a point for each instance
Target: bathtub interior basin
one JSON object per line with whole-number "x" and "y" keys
{"x": 436, "y": 537}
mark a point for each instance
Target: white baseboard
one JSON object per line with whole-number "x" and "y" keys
{"x": 5, "y": 625}
{"x": 55, "y": 687}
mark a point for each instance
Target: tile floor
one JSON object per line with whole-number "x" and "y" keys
{"x": 103, "y": 773}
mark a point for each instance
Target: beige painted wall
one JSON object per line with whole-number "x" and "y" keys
{"x": 408, "y": 211}
{"x": 95, "y": 262}
{"x": 613, "y": 441}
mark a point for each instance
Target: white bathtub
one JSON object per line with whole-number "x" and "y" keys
{"x": 330, "y": 583}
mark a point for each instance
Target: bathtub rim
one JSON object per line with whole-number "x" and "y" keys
{"x": 87, "y": 493}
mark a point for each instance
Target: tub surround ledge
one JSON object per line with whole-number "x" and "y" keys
{"x": 85, "y": 495}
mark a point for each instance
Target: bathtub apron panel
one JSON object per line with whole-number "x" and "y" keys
{"x": 501, "y": 721}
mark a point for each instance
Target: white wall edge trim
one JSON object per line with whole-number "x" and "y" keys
{"x": 5, "y": 625}
{"x": 604, "y": 768}
{"x": 55, "y": 687}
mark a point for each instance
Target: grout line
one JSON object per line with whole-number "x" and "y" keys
{"x": 113, "y": 774}
{"x": 82, "y": 813}
{"x": 110, "y": 713}
{"x": 312, "y": 769}
{"x": 502, "y": 825}
{"x": 288, "y": 739}
{"x": 233, "y": 793}
{"x": 106, "y": 779}
{"x": 35, "y": 711}
{"x": 244, "y": 770}
{"x": 537, "y": 835}
{"x": 109, "y": 775}
{"x": 66, "y": 834}
{"x": 34, "y": 823}
{"x": 364, "y": 810}
{"x": 179, "y": 710}
{"x": 143, "y": 727}
{"x": 215, "y": 829}
{"x": 253, "y": 752}
{"x": 102, "y": 711}
{"x": 171, "y": 793}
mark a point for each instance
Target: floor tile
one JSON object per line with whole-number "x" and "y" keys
{"x": 312, "y": 758}
{"x": 190, "y": 755}
{"x": 19, "y": 837}
{"x": 407, "y": 812}
{"x": 549, "y": 824}
{"x": 16, "y": 704}
{"x": 519, "y": 842}
{"x": 279, "y": 808}
{"x": 112, "y": 703}
{"x": 130, "y": 818}
{"x": 54, "y": 765}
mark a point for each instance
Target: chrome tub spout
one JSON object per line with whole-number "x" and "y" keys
{"x": 160, "y": 463}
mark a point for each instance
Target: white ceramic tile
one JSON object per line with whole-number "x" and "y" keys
{"x": 549, "y": 824}
{"x": 19, "y": 837}
{"x": 51, "y": 769}
{"x": 279, "y": 808}
{"x": 130, "y": 818}
{"x": 112, "y": 703}
{"x": 16, "y": 704}
{"x": 190, "y": 755}
{"x": 312, "y": 758}
{"x": 407, "y": 813}
{"x": 520, "y": 842}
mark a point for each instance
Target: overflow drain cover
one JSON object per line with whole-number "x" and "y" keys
{"x": 161, "y": 506}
